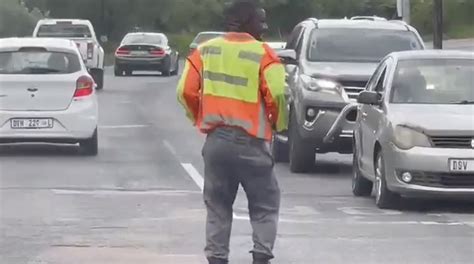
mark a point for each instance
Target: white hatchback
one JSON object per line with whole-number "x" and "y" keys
{"x": 46, "y": 94}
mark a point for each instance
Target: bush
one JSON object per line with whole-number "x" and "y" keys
{"x": 16, "y": 20}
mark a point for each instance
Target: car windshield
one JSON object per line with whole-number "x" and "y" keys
{"x": 38, "y": 62}
{"x": 203, "y": 37}
{"x": 434, "y": 81}
{"x": 358, "y": 45}
{"x": 64, "y": 30}
{"x": 144, "y": 39}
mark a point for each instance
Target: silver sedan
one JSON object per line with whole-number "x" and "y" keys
{"x": 414, "y": 134}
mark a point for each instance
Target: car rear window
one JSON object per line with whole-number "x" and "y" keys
{"x": 64, "y": 30}
{"x": 203, "y": 37}
{"x": 433, "y": 81}
{"x": 358, "y": 45}
{"x": 144, "y": 39}
{"x": 38, "y": 62}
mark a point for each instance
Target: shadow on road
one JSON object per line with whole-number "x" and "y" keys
{"x": 437, "y": 206}
{"x": 38, "y": 150}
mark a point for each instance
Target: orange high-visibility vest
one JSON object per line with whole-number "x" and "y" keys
{"x": 235, "y": 81}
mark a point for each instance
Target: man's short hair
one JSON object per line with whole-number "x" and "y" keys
{"x": 239, "y": 14}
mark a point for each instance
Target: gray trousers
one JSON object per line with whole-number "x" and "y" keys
{"x": 231, "y": 158}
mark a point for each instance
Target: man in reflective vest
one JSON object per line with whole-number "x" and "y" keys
{"x": 232, "y": 89}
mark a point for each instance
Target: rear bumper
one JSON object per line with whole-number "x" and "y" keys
{"x": 78, "y": 122}
{"x": 430, "y": 170}
{"x": 140, "y": 63}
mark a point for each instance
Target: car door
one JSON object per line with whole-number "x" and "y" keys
{"x": 368, "y": 121}
{"x": 295, "y": 42}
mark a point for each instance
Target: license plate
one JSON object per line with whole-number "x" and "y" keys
{"x": 139, "y": 53}
{"x": 461, "y": 165}
{"x": 33, "y": 123}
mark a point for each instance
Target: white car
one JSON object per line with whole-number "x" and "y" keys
{"x": 83, "y": 34}
{"x": 46, "y": 94}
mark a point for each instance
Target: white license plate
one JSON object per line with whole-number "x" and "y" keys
{"x": 139, "y": 53}
{"x": 461, "y": 165}
{"x": 33, "y": 123}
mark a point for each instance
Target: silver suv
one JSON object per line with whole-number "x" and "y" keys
{"x": 334, "y": 60}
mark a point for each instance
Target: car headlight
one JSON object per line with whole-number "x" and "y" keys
{"x": 322, "y": 85}
{"x": 407, "y": 138}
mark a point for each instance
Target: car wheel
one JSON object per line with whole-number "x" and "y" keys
{"x": 280, "y": 151}
{"x": 90, "y": 146}
{"x": 118, "y": 71}
{"x": 176, "y": 69}
{"x": 302, "y": 154}
{"x": 384, "y": 198}
{"x": 166, "y": 71}
{"x": 98, "y": 76}
{"x": 128, "y": 72}
{"x": 360, "y": 185}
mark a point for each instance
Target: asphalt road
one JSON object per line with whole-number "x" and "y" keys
{"x": 140, "y": 201}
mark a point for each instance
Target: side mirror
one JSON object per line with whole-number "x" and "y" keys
{"x": 104, "y": 39}
{"x": 287, "y": 56}
{"x": 193, "y": 46}
{"x": 369, "y": 98}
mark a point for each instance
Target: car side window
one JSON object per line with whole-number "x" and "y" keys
{"x": 294, "y": 37}
{"x": 381, "y": 81}
{"x": 299, "y": 44}
{"x": 375, "y": 77}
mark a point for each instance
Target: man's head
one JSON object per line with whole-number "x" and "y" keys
{"x": 246, "y": 16}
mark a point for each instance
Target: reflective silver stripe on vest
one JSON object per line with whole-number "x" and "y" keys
{"x": 262, "y": 121}
{"x": 211, "y": 50}
{"x": 208, "y": 120}
{"x": 225, "y": 78}
{"x": 251, "y": 56}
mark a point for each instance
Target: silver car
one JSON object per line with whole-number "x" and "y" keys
{"x": 414, "y": 133}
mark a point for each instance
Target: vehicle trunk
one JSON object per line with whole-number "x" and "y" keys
{"x": 144, "y": 50}
{"x": 46, "y": 92}
{"x": 82, "y": 45}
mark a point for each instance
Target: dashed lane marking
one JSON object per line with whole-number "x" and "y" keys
{"x": 194, "y": 174}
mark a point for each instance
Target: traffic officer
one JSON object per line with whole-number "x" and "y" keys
{"x": 232, "y": 89}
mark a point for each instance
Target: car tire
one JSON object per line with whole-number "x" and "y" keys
{"x": 90, "y": 146}
{"x": 117, "y": 71}
{"x": 128, "y": 72}
{"x": 361, "y": 187}
{"x": 98, "y": 76}
{"x": 301, "y": 154}
{"x": 384, "y": 198}
{"x": 166, "y": 71}
{"x": 280, "y": 151}
{"x": 176, "y": 69}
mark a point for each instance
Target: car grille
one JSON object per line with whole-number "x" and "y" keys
{"x": 443, "y": 180}
{"x": 353, "y": 88}
{"x": 452, "y": 142}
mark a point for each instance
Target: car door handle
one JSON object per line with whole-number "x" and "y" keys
{"x": 364, "y": 114}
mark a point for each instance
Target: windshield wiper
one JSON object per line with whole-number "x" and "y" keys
{"x": 465, "y": 102}
{"x": 40, "y": 70}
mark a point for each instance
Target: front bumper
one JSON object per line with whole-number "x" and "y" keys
{"x": 77, "y": 122}
{"x": 430, "y": 170}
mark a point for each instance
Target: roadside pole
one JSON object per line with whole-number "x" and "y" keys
{"x": 438, "y": 24}
{"x": 404, "y": 10}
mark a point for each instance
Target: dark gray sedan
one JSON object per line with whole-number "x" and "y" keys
{"x": 143, "y": 51}
{"x": 414, "y": 134}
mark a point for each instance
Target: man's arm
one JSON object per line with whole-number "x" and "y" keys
{"x": 189, "y": 87}
{"x": 272, "y": 87}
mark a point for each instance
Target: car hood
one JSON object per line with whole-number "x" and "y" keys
{"x": 341, "y": 70}
{"x": 434, "y": 119}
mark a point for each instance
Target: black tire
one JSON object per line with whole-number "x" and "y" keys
{"x": 118, "y": 71}
{"x": 176, "y": 70}
{"x": 302, "y": 154}
{"x": 361, "y": 186}
{"x": 280, "y": 151}
{"x": 166, "y": 70}
{"x": 384, "y": 198}
{"x": 98, "y": 76}
{"x": 128, "y": 72}
{"x": 90, "y": 146}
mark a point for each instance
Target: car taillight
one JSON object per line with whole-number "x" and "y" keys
{"x": 157, "y": 52}
{"x": 84, "y": 87}
{"x": 122, "y": 51}
{"x": 90, "y": 50}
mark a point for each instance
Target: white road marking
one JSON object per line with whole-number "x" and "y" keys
{"x": 123, "y": 192}
{"x": 123, "y": 126}
{"x": 194, "y": 174}
{"x": 170, "y": 148}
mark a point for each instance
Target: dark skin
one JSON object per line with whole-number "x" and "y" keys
{"x": 257, "y": 24}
